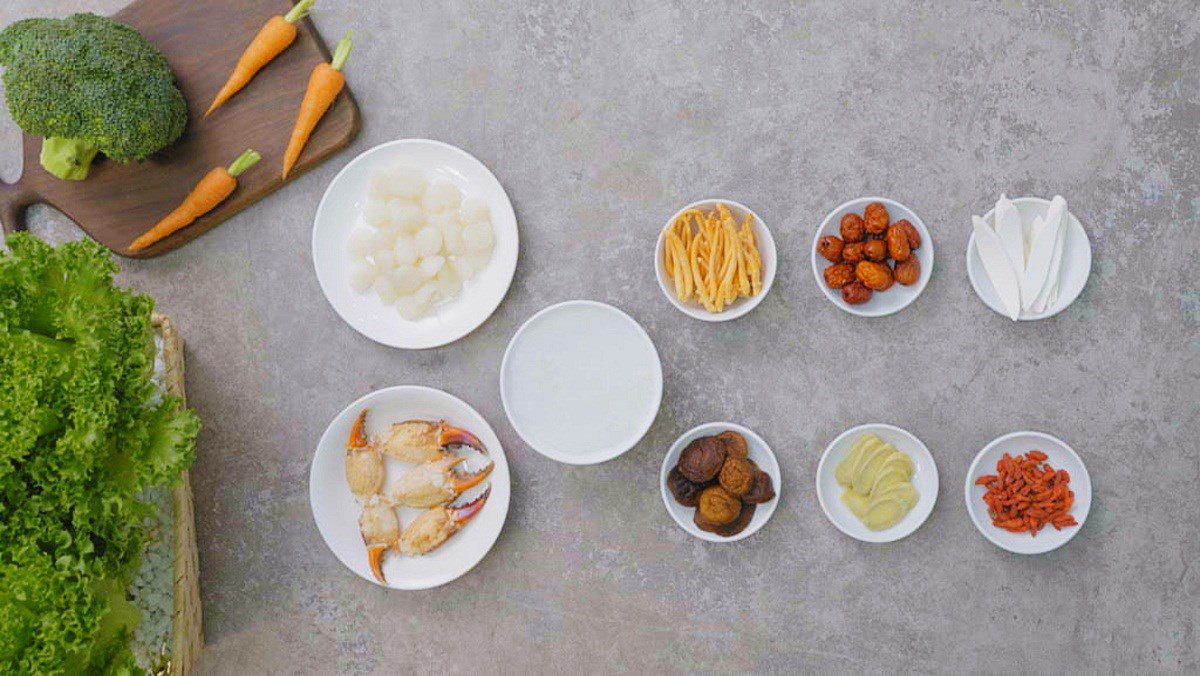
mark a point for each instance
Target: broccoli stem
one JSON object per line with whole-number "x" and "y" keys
{"x": 68, "y": 158}
{"x": 299, "y": 11}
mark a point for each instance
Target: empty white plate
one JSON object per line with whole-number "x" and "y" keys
{"x": 581, "y": 382}
{"x": 760, "y": 453}
{"x": 341, "y": 210}
{"x": 1076, "y": 261}
{"x": 336, "y": 511}
{"x": 924, "y": 479}
{"x": 1059, "y": 456}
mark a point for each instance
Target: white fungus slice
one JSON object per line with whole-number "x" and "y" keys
{"x": 448, "y": 283}
{"x": 473, "y": 209}
{"x": 406, "y": 216}
{"x": 412, "y": 309}
{"x": 377, "y": 213}
{"x": 405, "y": 250}
{"x": 380, "y": 186}
{"x": 431, "y": 266}
{"x": 386, "y": 290}
{"x": 429, "y": 241}
{"x": 406, "y": 279}
{"x": 478, "y": 236}
{"x": 362, "y": 276}
{"x": 382, "y": 239}
{"x": 384, "y": 259}
{"x": 441, "y": 195}
{"x": 359, "y": 242}
{"x": 452, "y": 242}
{"x": 407, "y": 182}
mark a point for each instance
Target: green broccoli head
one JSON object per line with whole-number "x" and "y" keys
{"x": 87, "y": 83}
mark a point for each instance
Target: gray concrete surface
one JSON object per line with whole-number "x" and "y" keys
{"x": 601, "y": 119}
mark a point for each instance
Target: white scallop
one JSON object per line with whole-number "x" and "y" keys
{"x": 386, "y": 290}
{"x": 360, "y": 242}
{"x": 479, "y": 261}
{"x": 408, "y": 182}
{"x": 362, "y": 276}
{"x": 380, "y": 186}
{"x": 405, "y": 215}
{"x": 452, "y": 240}
{"x": 464, "y": 266}
{"x": 429, "y": 241}
{"x": 405, "y": 250}
{"x": 382, "y": 239}
{"x": 411, "y": 309}
{"x": 431, "y": 266}
{"x": 406, "y": 279}
{"x": 377, "y": 213}
{"x": 473, "y": 209}
{"x": 426, "y": 293}
{"x": 442, "y": 220}
{"x": 478, "y": 236}
{"x": 448, "y": 283}
{"x": 441, "y": 195}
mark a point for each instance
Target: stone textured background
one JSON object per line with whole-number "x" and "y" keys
{"x": 601, "y": 119}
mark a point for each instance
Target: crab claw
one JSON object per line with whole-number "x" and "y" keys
{"x": 364, "y": 464}
{"x": 380, "y": 530}
{"x": 449, "y": 435}
{"x": 434, "y": 526}
{"x": 419, "y": 441}
{"x": 463, "y": 513}
{"x": 434, "y": 483}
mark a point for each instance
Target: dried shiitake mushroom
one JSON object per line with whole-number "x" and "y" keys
{"x": 702, "y": 459}
{"x": 852, "y": 228}
{"x": 735, "y": 444}
{"x": 718, "y": 506}
{"x": 686, "y": 493}
{"x": 745, "y": 516}
{"x": 762, "y": 491}
{"x": 875, "y": 217}
{"x": 831, "y": 248}
{"x": 837, "y": 276}
{"x": 737, "y": 476}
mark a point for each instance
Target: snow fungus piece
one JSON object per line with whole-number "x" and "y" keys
{"x": 412, "y": 309}
{"x": 478, "y": 236}
{"x": 376, "y": 213}
{"x": 386, "y": 290}
{"x": 406, "y": 216}
{"x": 431, "y": 266}
{"x": 452, "y": 241}
{"x": 429, "y": 241}
{"x": 384, "y": 259}
{"x": 362, "y": 276}
{"x": 360, "y": 242}
{"x": 380, "y": 186}
{"x": 448, "y": 283}
{"x": 473, "y": 209}
{"x": 406, "y": 279}
{"x": 407, "y": 182}
{"x": 441, "y": 195}
{"x": 405, "y": 250}
{"x": 382, "y": 239}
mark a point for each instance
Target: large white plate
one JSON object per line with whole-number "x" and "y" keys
{"x": 336, "y": 511}
{"x": 1059, "y": 456}
{"x": 760, "y": 453}
{"x": 1076, "y": 262}
{"x": 925, "y": 480}
{"x": 341, "y": 210}
{"x": 581, "y": 382}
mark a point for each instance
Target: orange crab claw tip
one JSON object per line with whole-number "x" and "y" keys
{"x": 464, "y": 481}
{"x": 375, "y": 558}
{"x": 452, "y": 436}
{"x": 358, "y": 437}
{"x": 463, "y": 513}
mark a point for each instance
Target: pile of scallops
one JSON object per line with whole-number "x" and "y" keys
{"x": 420, "y": 243}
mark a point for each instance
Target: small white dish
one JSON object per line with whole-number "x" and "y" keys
{"x": 1060, "y": 456}
{"x": 581, "y": 382}
{"x": 336, "y": 511}
{"x": 924, "y": 479}
{"x": 882, "y": 303}
{"x": 760, "y": 453}
{"x": 341, "y": 210}
{"x": 740, "y": 306}
{"x": 1076, "y": 261}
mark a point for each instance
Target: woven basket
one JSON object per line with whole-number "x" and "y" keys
{"x": 186, "y": 638}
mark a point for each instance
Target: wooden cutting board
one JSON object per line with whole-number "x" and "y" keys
{"x": 202, "y": 40}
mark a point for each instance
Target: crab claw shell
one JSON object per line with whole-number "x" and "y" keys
{"x": 434, "y": 526}
{"x": 380, "y": 529}
{"x": 358, "y": 436}
{"x": 364, "y": 465}
{"x": 450, "y": 435}
{"x": 434, "y": 483}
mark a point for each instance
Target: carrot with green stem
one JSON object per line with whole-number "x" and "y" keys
{"x": 275, "y": 36}
{"x": 216, "y": 185}
{"x": 324, "y": 85}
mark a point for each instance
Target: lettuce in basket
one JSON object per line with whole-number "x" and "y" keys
{"x": 82, "y": 435}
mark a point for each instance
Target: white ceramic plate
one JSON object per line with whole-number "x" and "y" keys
{"x": 1061, "y": 456}
{"x": 740, "y": 306}
{"x": 581, "y": 382}
{"x": 341, "y": 210}
{"x": 1076, "y": 262}
{"x": 336, "y": 511}
{"x": 882, "y": 303}
{"x": 760, "y": 453}
{"x": 925, "y": 480}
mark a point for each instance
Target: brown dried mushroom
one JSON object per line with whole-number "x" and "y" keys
{"x": 686, "y": 493}
{"x": 702, "y": 459}
{"x": 737, "y": 476}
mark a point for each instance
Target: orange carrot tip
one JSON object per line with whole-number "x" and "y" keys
{"x": 275, "y": 36}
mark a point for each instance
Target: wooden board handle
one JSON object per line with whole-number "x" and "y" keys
{"x": 14, "y": 198}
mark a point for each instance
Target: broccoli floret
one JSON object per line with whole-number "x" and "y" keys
{"x": 87, "y": 83}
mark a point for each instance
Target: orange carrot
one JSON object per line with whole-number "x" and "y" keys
{"x": 275, "y": 36}
{"x": 208, "y": 193}
{"x": 1025, "y": 494}
{"x": 324, "y": 85}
